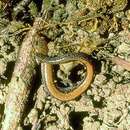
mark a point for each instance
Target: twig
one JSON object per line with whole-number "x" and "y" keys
{"x": 123, "y": 63}
{"x": 20, "y": 85}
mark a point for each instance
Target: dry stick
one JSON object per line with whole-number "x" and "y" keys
{"x": 123, "y": 63}
{"x": 20, "y": 85}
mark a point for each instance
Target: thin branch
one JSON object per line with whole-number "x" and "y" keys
{"x": 20, "y": 85}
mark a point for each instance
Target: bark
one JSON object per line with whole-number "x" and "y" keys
{"x": 20, "y": 85}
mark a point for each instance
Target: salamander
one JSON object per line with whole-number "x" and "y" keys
{"x": 47, "y": 73}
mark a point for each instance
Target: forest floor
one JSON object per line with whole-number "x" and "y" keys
{"x": 100, "y": 29}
